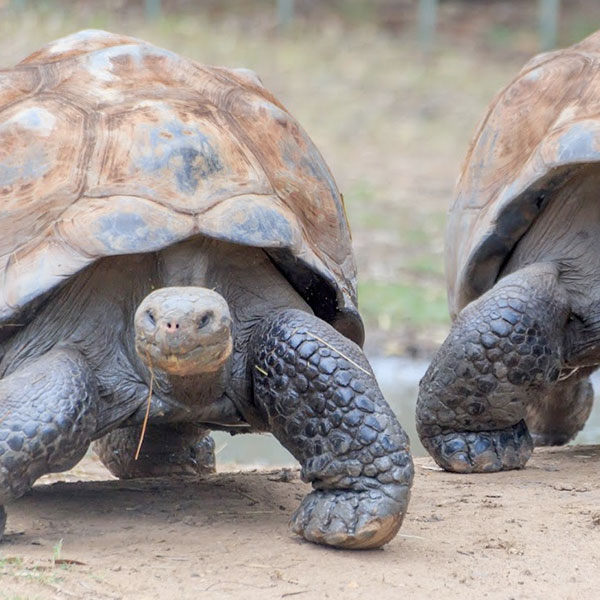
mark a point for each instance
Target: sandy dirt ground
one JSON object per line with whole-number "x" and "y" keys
{"x": 528, "y": 534}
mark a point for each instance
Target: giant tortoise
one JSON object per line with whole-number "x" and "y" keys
{"x": 174, "y": 247}
{"x": 523, "y": 273}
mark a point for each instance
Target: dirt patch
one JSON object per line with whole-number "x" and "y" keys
{"x": 526, "y": 534}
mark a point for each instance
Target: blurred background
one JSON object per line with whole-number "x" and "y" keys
{"x": 390, "y": 91}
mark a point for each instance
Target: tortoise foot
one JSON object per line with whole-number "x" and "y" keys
{"x": 561, "y": 413}
{"x": 351, "y": 520}
{"x": 2, "y": 521}
{"x": 318, "y": 393}
{"x": 180, "y": 450}
{"x": 550, "y": 439}
{"x": 483, "y": 451}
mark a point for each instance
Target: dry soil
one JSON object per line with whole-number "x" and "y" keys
{"x": 528, "y": 534}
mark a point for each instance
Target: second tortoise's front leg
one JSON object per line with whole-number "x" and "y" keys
{"x": 316, "y": 390}
{"x": 502, "y": 358}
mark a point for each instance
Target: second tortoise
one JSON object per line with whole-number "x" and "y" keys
{"x": 523, "y": 273}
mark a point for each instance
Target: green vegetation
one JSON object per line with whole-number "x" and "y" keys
{"x": 389, "y": 303}
{"x": 56, "y": 552}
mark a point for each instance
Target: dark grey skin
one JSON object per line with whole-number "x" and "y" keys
{"x": 514, "y": 369}
{"x": 225, "y": 342}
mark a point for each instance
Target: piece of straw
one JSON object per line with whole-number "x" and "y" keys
{"x": 137, "y": 452}
{"x": 339, "y": 352}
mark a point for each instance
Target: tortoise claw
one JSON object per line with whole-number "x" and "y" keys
{"x": 483, "y": 451}
{"x": 350, "y": 520}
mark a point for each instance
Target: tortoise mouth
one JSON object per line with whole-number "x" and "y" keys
{"x": 204, "y": 358}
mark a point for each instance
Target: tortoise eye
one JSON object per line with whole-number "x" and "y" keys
{"x": 151, "y": 318}
{"x": 204, "y": 320}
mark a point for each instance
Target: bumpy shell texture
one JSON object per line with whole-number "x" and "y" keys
{"x": 109, "y": 145}
{"x": 539, "y": 131}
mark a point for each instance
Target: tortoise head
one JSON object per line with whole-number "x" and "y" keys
{"x": 184, "y": 330}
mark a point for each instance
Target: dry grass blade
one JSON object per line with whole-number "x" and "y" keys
{"x": 331, "y": 347}
{"x": 145, "y": 423}
{"x": 6, "y": 414}
{"x": 261, "y": 370}
{"x": 253, "y": 500}
{"x": 316, "y": 337}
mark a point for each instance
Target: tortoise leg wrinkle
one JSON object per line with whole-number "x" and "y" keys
{"x": 316, "y": 390}
{"x": 47, "y": 420}
{"x": 180, "y": 450}
{"x": 558, "y": 416}
{"x": 503, "y": 353}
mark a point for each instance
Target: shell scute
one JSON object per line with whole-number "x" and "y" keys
{"x": 121, "y": 225}
{"x": 166, "y": 153}
{"x": 41, "y": 146}
{"x": 82, "y": 42}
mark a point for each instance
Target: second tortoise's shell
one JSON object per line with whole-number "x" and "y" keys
{"x": 538, "y": 133}
{"x": 109, "y": 145}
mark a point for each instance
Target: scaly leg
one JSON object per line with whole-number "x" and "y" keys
{"x": 317, "y": 392}
{"x": 558, "y": 416}
{"x": 503, "y": 353}
{"x": 48, "y": 413}
{"x": 180, "y": 449}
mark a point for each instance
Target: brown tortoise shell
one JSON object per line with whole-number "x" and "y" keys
{"x": 538, "y": 133}
{"x": 109, "y": 145}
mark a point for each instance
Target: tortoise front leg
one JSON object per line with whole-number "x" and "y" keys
{"x": 317, "y": 392}
{"x": 504, "y": 352}
{"x": 48, "y": 411}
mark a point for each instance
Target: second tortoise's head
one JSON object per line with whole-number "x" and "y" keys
{"x": 184, "y": 330}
